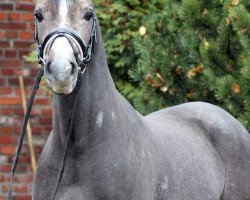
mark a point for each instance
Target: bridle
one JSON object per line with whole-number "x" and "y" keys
{"x": 83, "y": 56}
{"x": 70, "y": 34}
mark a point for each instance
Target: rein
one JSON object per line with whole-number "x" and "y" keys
{"x": 82, "y": 63}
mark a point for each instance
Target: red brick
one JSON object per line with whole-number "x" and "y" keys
{"x": 23, "y": 44}
{"x": 43, "y": 121}
{"x": 6, "y": 178}
{"x": 10, "y": 54}
{"x": 8, "y": 71}
{"x": 18, "y": 111}
{"x": 5, "y": 168}
{"x": 28, "y": 178}
{"x": 7, "y": 150}
{"x": 7, "y": 140}
{"x": 4, "y": 44}
{"x": 23, "y": 197}
{"x": 17, "y": 188}
{"x": 13, "y": 16}
{"x": 34, "y": 72}
{"x": 5, "y": 111}
{"x": 10, "y": 63}
{"x": 4, "y": 188}
{"x": 35, "y": 111}
{"x": 42, "y": 101}
{"x": 15, "y": 81}
{"x": 6, "y": 130}
{"x": 21, "y": 188}
{"x": 6, "y": 6}
{"x": 10, "y": 101}
{"x": 37, "y": 130}
{"x": 47, "y": 129}
{"x": 18, "y": 91}
{"x": 24, "y": 159}
{"x": 22, "y": 168}
{"x": 18, "y": 122}
{"x": 22, "y": 53}
{"x": 26, "y": 35}
{"x": 5, "y": 90}
{"x": 12, "y": 26}
{"x": 38, "y": 149}
{"x": 2, "y": 81}
{"x": 27, "y": 16}
{"x": 47, "y": 111}
{"x": 1, "y": 35}
{"x": 11, "y": 35}
{"x": 25, "y": 7}
{"x": 2, "y": 16}
{"x": 41, "y": 92}
{"x": 1, "y": 198}
{"x": 1, "y": 53}
{"x": 31, "y": 27}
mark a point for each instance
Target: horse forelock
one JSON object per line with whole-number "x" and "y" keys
{"x": 56, "y": 3}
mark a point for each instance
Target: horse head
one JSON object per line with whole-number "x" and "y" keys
{"x": 66, "y": 29}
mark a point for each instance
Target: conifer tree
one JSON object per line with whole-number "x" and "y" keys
{"x": 119, "y": 22}
{"x": 195, "y": 50}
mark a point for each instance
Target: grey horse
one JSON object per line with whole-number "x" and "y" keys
{"x": 194, "y": 151}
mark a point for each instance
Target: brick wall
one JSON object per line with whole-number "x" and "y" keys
{"x": 16, "y": 37}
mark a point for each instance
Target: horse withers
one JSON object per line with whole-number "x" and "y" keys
{"x": 194, "y": 151}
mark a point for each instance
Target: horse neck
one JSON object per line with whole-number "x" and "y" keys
{"x": 100, "y": 107}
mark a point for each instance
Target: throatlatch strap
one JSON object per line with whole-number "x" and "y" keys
{"x": 70, "y": 132}
{"x": 24, "y": 126}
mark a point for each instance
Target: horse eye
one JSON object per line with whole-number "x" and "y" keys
{"x": 88, "y": 16}
{"x": 39, "y": 16}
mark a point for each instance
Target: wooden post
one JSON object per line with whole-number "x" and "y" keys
{"x": 29, "y": 131}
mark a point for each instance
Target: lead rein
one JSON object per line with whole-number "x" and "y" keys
{"x": 24, "y": 127}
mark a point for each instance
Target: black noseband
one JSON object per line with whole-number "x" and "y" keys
{"x": 63, "y": 32}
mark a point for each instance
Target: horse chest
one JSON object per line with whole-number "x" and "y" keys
{"x": 98, "y": 176}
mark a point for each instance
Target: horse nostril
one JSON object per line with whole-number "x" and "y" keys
{"x": 73, "y": 67}
{"x": 48, "y": 67}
